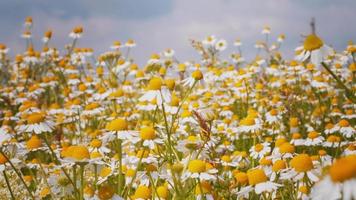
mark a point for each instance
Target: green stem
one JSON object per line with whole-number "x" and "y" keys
{"x": 119, "y": 151}
{"x": 8, "y": 185}
{"x": 349, "y": 93}
{"x": 81, "y": 195}
{"x": 18, "y": 174}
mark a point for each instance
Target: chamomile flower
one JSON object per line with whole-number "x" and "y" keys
{"x": 201, "y": 170}
{"x": 156, "y": 91}
{"x": 340, "y": 181}
{"x": 36, "y": 122}
{"x": 315, "y": 49}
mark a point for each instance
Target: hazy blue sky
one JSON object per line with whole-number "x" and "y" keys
{"x": 159, "y": 24}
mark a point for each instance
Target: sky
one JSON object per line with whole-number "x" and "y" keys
{"x": 156, "y": 25}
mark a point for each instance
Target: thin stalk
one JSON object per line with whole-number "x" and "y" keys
{"x": 8, "y": 185}
{"x": 19, "y": 175}
{"x": 349, "y": 93}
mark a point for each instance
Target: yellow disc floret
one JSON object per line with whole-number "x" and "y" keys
{"x": 256, "y": 176}
{"x": 302, "y": 163}
{"x": 343, "y": 169}
{"x": 147, "y": 133}
{"x": 312, "y": 42}
{"x": 197, "y": 166}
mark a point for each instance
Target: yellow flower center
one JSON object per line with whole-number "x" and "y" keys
{"x": 278, "y": 165}
{"x": 344, "y": 123}
{"x": 163, "y": 192}
{"x": 197, "y": 75}
{"x": 95, "y": 154}
{"x": 77, "y": 152}
{"x": 170, "y": 83}
{"x": 296, "y": 136}
{"x": 304, "y": 189}
{"x": 273, "y": 112}
{"x": 249, "y": 121}
{"x": 96, "y": 143}
{"x": 343, "y": 169}
{"x": 286, "y": 148}
{"x": 256, "y": 176}
{"x": 142, "y": 192}
{"x": 147, "y": 133}
{"x": 44, "y": 192}
{"x": 205, "y": 186}
{"x": 118, "y": 124}
{"x": 35, "y": 118}
{"x": 313, "y": 135}
{"x": 106, "y": 192}
{"x": 333, "y": 138}
{"x": 312, "y": 42}
{"x": 3, "y": 159}
{"x": 177, "y": 167}
{"x": 302, "y": 163}
{"x": 280, "y": 141}
{"x": 258, "y": 147}
{"x": 197, "y": 166}
{"x": 105, "y": 171}
{"x": 226, "y": 158}
{"x": 293, "y": 122}
{"x": 92, "y": 106}
{"x": 265, "y": 162}
{"x": 155, "y": 84}
{"x": 241, "y": 178}
{"x": 33, "y": 143}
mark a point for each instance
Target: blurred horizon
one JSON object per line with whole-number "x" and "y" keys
{"x": 156, "y": 25}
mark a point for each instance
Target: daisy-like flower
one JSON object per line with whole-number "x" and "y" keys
{"x": 154, "y": 59}
{"x": 332, "y": 141}
{"x": 237, "y": 42}
{"x": 315, "y": 49}
{"x": 118, "y": 128}
{"x": 149, "y": 137}
{"x": 249, "y": 125}
{"x": 259, "y": 183}
{"x": 157, "y": 91}
{"x": 168, "y": 53}
{"x": 345, "y": 129}
{"x": 281, "y": 38}
{"x": 4, "y": 136}
{"x": 339, "y": 183}
{"x": 221, "y": 45}
{"x": 142, "y": 193}
{"x": 197, "y": 75}
{"x": 76, "y": 32}
{"x": 330, "y": 128}
{"x": 209, "y": 41}
{"x": 47, "y": 36}
{"x": 92, "y": 109}
{"x": 201, "y": 170}
{"x": 34, "y": 143}
{"x": 260, "y": 150}
{"x": 301, "y": 166}
{"x": 266, "y": 30}
{"x": 121, "y": 66}
{"x": 203, "y": 191}
{"x": 130, "y": 43}
{"x": 272, "y": 116}
{"x": 116, "y": 45}
{"x": 3, "y": 49}
{"x": 297, "y": 139}
{"x": 36, "y": 122}
{"x": 76, "y": 154}
{"x": 314, "y": 139}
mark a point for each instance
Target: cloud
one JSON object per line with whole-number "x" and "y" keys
{"x": 160, "y": 24}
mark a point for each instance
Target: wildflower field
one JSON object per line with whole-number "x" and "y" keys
{"x": 78, "y": 125}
